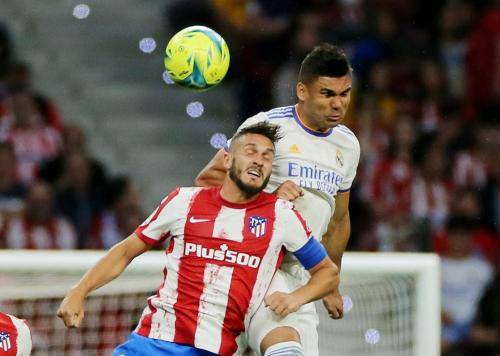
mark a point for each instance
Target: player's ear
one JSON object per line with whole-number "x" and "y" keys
{"x": 227, "y": 160}
{"x": 301, "y": 90}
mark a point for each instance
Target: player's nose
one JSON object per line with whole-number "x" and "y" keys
{"x": 336, "y": 103}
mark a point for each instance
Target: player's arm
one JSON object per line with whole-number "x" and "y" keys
{"x": 339, "y": 229}
{"x": 335, "y": 241}
{"x": 214, "y": 172}
{"x": 324, "y": 280}
{"x": 108, "y": 268}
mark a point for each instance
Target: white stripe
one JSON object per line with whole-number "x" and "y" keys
{"x": 163, "y": 321}
{"x": 280, "y": 109}
{"x": 266, "y": 267}
{"x": 212, "y": 307}
{"x": 8, "y": 344}
{"x": 229, "y": 224}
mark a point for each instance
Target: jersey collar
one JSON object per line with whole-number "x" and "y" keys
{"x": 307, "y": 129}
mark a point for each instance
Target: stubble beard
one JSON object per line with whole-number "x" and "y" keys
{"x": 247, "y": 190}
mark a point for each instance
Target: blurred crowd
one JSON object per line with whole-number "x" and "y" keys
{"x": 425, "y": 108}
{"x": 53, "y": 193}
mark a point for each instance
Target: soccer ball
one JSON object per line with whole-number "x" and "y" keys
{"x": 197, "y": 57}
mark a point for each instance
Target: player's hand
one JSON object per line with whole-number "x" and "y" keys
{"x": 282, "y": 303}
{"x": 71, "y": 310}
{"x": 334, "y": 305}
{"x": 288, "y": 190}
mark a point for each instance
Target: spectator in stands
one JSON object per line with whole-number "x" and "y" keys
{"x": 121, "y": 217}
{"x": 430, "y": 193}
{"x": 73, "y": 142}
{"x": 456, "y": 20}
{"x": 483, "y": 66}
{"x": 20, "y": 79}
{"x": 434, "y": 101}
{"x": 38, "y": 227}
{"x": 391, "y": 190}
{"x": 464, "y": 278}
{"x": 78, "y": 197}
{"x": 32, "y": 140}
{"x": 12, "y": 191}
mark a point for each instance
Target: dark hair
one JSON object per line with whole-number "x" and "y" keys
{"x": 460, "y": 224}
{"x": 325, "y": 60}
{"x": 116, "y": 188}
{"x": 264, "y": 128}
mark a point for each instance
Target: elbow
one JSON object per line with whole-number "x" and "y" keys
{"x": 200, "y": 181}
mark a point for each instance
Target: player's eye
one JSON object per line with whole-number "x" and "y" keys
{"x": 267, "y": 156}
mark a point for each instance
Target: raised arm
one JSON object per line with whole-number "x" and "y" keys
{"x": 108, "y": 268}
{"x": 214, "y": 172}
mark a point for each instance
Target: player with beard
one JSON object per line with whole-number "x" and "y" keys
{"x": 315, "y": 165}
{"x": 225, "y": 245}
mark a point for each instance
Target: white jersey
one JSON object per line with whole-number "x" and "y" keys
{"x": 321, "y": 163}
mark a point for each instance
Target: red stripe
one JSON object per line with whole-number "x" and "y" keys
{"x": 191, "y": 268}
{"x": 243, "y": 281}
{"x": 303, "y": 222}
{"x": 7, "y": 325}
{"x": 140, "y": 229}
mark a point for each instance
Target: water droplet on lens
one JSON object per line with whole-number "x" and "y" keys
{"x": 147, "y": 45}
{"x": 195, "y": 109}
{"x": 81, "y": 11}
{"x": 372, "y": 336}
{"x": 218, "y": 140}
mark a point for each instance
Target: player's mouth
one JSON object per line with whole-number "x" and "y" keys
{"x": 335, "y": 117}
{"x": 254, "y": 172}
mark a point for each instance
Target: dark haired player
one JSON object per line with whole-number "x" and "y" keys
{"x": 225, "y": 246}
{"x": 315, "y": 164}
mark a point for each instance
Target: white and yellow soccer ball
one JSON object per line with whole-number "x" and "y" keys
{"x": 197, "y": 57}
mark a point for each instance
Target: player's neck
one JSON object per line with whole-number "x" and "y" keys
{"x": 232, "y": 194}
{"x": 306, "y": 121}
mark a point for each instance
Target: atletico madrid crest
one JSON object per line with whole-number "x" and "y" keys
{"x": 5, "y": 344}
{"x": 257, "y": 225}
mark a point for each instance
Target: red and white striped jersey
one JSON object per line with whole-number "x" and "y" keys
{"x": 15, "y": 336}
{"x": 219, "y": 264}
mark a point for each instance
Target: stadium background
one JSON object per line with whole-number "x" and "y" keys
{"x": 425, "y": 108}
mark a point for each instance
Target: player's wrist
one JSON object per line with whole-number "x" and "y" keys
{"x": 78, "y": 291}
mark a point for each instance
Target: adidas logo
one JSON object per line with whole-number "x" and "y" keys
{"x": 294, "y": 149}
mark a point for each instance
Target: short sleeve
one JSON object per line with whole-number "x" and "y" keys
{"x": 301, "y": 243}
{"x": 156, "y": 228}
{"x": 298, "y": 233}
{"x": 351, "y": 172}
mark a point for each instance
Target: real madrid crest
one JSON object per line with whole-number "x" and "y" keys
{"x": 340, "y": 158}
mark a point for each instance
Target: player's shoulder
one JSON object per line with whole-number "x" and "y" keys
{"x": 276, "y": 116}
{"x": 291, "y": 215}
{"x": 282, "y": 112}
{"x": 183, "y": 192}
{"x": 347, "y": 133}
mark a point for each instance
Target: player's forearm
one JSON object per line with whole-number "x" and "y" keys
{"x": 322, "y": 282}
{"x": 336, "y": 238}
{"x": 108, "y": 268}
